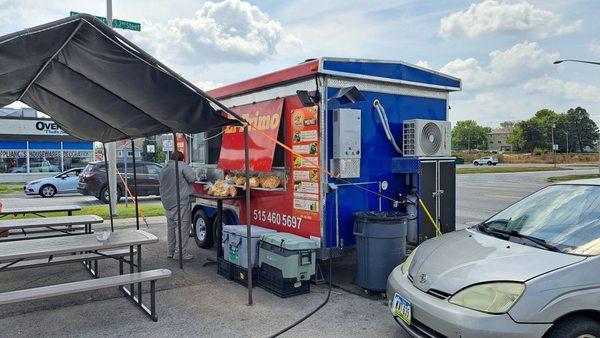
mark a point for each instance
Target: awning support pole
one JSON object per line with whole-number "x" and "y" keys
{"x": 110, "y": 210}
{"x": 50, "y": 60}
{"x": 248, "y": 226}
{"x": 178, "y": 201}
{"x": 135, "y": 188}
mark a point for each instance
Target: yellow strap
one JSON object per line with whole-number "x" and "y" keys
{"x": 438, "y": 232}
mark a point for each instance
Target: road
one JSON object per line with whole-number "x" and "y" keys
{"x": 479, "y": 196}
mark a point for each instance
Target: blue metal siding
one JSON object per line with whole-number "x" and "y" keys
{"x": 377, "y": 157}
{"x": 44, "y": 145}
{"x": 78, "y": 145}
{"x": 13, "y": 145}
{"x": 390, "y": 70}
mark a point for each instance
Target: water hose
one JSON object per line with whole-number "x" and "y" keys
{"x": 310, "y": 313}
{"x": 386, "y": 125}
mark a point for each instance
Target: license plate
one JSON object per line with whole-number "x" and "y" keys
{"x": 402, "y": 308}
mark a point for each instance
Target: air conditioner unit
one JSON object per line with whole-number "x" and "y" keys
{"x": 427, "y": 138}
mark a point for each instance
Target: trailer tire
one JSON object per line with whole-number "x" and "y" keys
{"x": 219, "y": 227}
{"x": 202, "y": 227}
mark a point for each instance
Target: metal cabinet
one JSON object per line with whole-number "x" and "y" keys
{"x": 437, "y": 188}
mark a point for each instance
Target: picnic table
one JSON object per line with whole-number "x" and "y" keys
{"x": 39, "y": 210}
{"x": 51, "y": 223}
{"x": 89, "y": 247}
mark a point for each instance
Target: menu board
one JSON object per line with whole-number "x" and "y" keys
{"x": 305, "y": 175}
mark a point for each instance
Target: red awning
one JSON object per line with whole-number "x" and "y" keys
{"x": 266, "y": 116}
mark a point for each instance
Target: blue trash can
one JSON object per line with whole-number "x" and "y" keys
{"x": 380, "y": 246}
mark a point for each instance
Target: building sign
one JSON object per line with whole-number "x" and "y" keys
{"x": 264, "y": 116}
{"x": 167, "y": 145}
{"x": 30, "y": 127}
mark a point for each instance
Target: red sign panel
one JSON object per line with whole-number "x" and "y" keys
{"x": 265, "y": 116}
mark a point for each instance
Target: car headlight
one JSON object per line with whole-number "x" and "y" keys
{"x": 408, "y": 261}
{"x": 494, "y": 298}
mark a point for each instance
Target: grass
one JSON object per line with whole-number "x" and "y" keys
{"x": 8, "y": 188}
{"x": 148, "y": 210}
{"x": 488, "y": 170}
{"x": 554, "y": 179}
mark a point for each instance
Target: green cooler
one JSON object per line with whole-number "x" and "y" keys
{"x": 293, "y": 255}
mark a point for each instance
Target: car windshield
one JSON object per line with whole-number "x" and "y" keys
{"x": 564, "y": 216}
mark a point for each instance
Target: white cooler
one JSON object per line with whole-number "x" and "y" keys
{"x": 235, "y": 248}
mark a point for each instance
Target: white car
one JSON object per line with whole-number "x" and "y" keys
{"x": 489, "y": 160}
{"x": 63, "y": 183}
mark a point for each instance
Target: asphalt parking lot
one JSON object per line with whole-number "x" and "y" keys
{"x": 196, "y": 301}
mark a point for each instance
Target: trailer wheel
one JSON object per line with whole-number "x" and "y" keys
{"x": 202, "y": 229}
{"x": 219, "y": 227}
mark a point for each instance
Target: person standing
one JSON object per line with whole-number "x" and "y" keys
{"x": 168, "y": 197}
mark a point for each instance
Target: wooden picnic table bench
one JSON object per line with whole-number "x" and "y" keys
{"x": 55, "y": 224}
{"x": 39, "y": 210}
{"x": 31, "y": 253}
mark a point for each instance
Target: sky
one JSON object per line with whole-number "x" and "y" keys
{"x": 501, "y": 49}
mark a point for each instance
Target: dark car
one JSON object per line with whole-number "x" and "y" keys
{"x": 93, "y": 180}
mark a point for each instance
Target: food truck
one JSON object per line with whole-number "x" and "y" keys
{"x": 354, "y": 134}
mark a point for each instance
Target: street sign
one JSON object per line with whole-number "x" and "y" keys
{"x": 167, "y": 145}
{"x": 555, "y": 147}
{"x": 150, "y": 148}
{"x": 122, "y": 24}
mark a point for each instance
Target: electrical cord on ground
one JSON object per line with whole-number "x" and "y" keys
{"x": 310, "y": 313}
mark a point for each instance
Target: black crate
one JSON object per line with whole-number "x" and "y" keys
{"x": 240, "y": 275}
{"x": 224, "y": 268}
{"x": 271, "y": 279}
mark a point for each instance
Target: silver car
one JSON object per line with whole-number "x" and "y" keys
{"x": 531, "y": 270}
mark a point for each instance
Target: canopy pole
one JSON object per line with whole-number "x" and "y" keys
{"x": 248, "y": 226}
{"x": 110, "y": 210}
{"x": 135, "y": 187}
{"x": 178, "y": 200}
{"x": 50, "y": 60}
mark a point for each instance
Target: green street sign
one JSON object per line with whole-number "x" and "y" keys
{"x": 116, "y": 23}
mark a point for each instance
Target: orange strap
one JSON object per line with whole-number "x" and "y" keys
{"x": 318, "y": 167}
{"x": 134, "y": 198}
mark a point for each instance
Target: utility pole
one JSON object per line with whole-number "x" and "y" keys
{"x": 567, "y": 143}
{"x": 111, "y": 148}
{"x": 553, "y": 146}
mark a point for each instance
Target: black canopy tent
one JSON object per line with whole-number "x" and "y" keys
{"x": 98, "y": 86}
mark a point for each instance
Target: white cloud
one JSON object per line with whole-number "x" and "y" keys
{"x": 208, "y": 85}
{"x": 226, "y": 31}
{"x": 524, "y": 60}
{"x": 423, "y": 63}
{"x": 558, "y": 88}
{"x": 594, "y": 47}
{"x": 491, "y": 16}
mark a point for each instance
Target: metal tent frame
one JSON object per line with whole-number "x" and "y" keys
{"x": 78, "y": 113}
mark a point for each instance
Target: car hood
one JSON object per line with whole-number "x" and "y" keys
{"x": 33, "y": 182}
{"x": 456, "y": 260}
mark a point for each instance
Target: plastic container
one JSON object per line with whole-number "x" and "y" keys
{"x": 240, "y": 275}
{"x": 271, "y": 279}
{"x": 235, "y": 248}
{"x": 293, "y": 255}
{"x": 224, "y": 268}
{"x": 380, "y": 246}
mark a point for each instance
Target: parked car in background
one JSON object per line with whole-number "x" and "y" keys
{"x": 529, "y": 271}
{"x": 489, "y": 160}
{"x": 63, "y": 183}
{"x": 93, "y": 180}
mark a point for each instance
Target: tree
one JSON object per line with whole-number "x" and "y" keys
{"x": 158, "y": 156}
{"x": 468, "y": 135}
{"x": 508, "y": 125}
{"x": 530, "y": 135}
{"x": 583, "y": 131}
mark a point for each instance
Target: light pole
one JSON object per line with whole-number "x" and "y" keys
{"x": 591, "y": 63}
